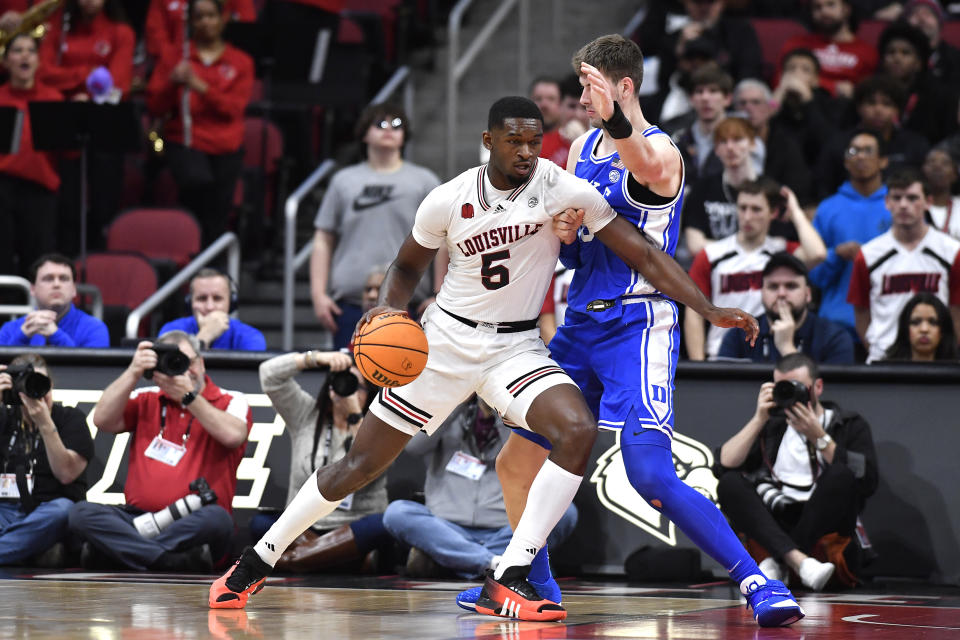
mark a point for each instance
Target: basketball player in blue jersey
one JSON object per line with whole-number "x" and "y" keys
{"x": 620, "y": 338}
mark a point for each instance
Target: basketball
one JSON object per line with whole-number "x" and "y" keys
{"x": 390, "y": 350}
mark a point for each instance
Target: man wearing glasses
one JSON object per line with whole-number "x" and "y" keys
{"x": 851, "y": 217}
{"x": 181, "y": 429}
{"x": 366, "y": 214}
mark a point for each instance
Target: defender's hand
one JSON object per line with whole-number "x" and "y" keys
{"x": 566, "y": 224}
{"x": 728, "y": 318}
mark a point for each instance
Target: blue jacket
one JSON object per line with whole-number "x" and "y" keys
{"x": 842, "y": 217}
{"x": 74, "y": 329}
{"x": 239, "y": 336}
{"x": 824, "y": 341}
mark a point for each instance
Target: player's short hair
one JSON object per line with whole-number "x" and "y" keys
{"x": 766, "y": 187}
{"x": 733, "y": 128}
{"x": 711, "y": 75}
{"x": 800, "y": 52}
{"x": 382, "y": 111}
{"x": 873, "y": 133}
{"x": 615, "y": 56}
{"x": 512, "y": 107}
{"x": 797, "y": 360}
{"x": 873, "y": 86}
{"x": 904, "y": 177}
{"x": 55, "y": 258}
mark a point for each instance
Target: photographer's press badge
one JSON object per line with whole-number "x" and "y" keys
{"x": 8, "y": 485}
{"x": 165, "y": 451}
{"x": 463, "y": 464}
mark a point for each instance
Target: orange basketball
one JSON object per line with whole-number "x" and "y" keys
{"x": 390, "y": 350}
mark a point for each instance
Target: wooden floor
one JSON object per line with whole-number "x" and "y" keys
{"x": 43, "y": 606}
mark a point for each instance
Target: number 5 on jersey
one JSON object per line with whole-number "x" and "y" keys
{"x": 494, "y": 276}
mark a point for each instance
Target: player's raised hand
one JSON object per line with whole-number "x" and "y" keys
{"x": 566, "y": 223}
{"x": 601, "y": 93}
{"x": 373, "y": 313}
{"x": 729, "y": 318}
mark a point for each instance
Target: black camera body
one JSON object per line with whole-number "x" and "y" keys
{"x": 344, "y": 383}
{"x": 170, "y": 360}
{"x": 207, "y": 495}
{"x": 787, "y": 393}
{"x": 27, "y": 381}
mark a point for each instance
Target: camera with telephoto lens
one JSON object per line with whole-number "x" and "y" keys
{"x": 26, "y": 381}
{"x": 787, "y": 393}
{"x": 149, "y": 525}
{"x": 344, "y": 383}
{"x": 170, "y": 360}
{"x": 772, "y": 496}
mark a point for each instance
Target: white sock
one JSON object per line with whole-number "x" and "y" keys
{"x": 307, "y": 507}
{"x": 550, "y": 494}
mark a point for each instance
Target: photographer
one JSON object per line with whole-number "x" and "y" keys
{"x": 796, "y": 476}
{"x": 321, "y": 431}
{"x": 44, "y": 450}
{"x": 182, "y": 429}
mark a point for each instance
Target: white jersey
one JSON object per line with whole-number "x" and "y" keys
{"x": 731, "y": 276}
{"x": 502, "y": 249}
{"x": 886, "y": 275}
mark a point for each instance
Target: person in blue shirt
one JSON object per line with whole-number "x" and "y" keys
{"x": 787, "y": 325}
{"x": 55, "y": 322}
{"x": 211, "y": 299}
{"x": 851, "y": 217}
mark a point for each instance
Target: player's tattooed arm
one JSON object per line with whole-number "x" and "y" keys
{"x": 662, "y": 271}
{"x": 412, "y": 261}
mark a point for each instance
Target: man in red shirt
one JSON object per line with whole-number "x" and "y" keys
{"x": 844, "y": 58}
{"x": 182, "y": 429}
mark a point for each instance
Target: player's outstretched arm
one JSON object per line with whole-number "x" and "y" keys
{"x": 663, "y": 272}
{"x": 412, "y": 261}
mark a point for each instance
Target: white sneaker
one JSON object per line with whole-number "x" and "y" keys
{"x": 815, "y": 574}
{"x": 773, "y": 569}
{"x": 495, "y": 562}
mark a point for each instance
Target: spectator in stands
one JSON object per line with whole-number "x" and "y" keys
{"x": 28, "y": 179}
{"x": 46, "y": 450}
{"x": 804, "y": 109}
{"x": 940, "y": 173}
{"x": 183, "y": 428}
{"x": 321, "y": 430}
{"x": 167, "y": 20}
{"x": 88, "y": 34}
{"x": 462, "y": 528}
{"x": 547, "y": 93}
{"x": 928, "y": 16}
{"x": 729, "y": 271}
{"x": 925, "y": 332}
{"x": 365, "y": 215}
{"x": 212, "y": 298}
{"x": 909, "y": 258}
{"x": 788, "y": 325}
{"x": 879, "y": 102}
{"x": 854, "y": 215}
{"x": 56, "y": 322}
{"x": 204, "y": 138}
{"x": 571, "y": 122}
{"x": 844, "y": 59}
{"x": 776, "y": 151}
{"x": 87, "y": 53}
{"x": 931, "y": 105}
{"x": 796, "y": 476}
{"x": 710, "y": 94}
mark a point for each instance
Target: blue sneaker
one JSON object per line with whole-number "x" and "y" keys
{"x": 549, "y": 590}
{"x": 772, "y": 603}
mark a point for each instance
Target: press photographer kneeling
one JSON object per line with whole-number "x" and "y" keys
{"x": 44, "y": 450}
{"x": 184, "y": 433}
{"x": 796, "y": 476}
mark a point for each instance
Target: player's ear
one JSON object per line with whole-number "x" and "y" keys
{"x": 487, "y": 140}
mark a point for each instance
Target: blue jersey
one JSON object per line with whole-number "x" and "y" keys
{"x": 600, "y": 274}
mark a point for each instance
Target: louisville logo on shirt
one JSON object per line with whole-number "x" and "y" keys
{"x": 910, "y": 283}
{"x": 736, "y": 282}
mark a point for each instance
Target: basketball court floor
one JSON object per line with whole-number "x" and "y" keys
{"x": 127, "y": 606}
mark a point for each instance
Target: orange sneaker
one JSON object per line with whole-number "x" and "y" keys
{"x": 513, "y": 597}
{"x": 242, "y": 580}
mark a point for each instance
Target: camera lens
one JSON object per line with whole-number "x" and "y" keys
{"x": 35, "y": 385}
{"x": 173, "y": 363}
{"x": 344, "y": 383}
{"x": 787, "y": 393}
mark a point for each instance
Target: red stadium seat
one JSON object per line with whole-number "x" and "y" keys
{"x": 772, "y": 33}
{"x": 951, "y": 33}
{"x": 125, "y": 280}
{"x": 253, "y": 141}
{"x": 158, "y": 234}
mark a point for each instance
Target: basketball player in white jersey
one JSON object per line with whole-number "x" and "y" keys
{"x": 495, "y": 222}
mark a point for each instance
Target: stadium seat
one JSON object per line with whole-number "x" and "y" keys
{"x": 772, "y": 33}
{"x": 158, "y": 234}
{"x": 125, "y": 280}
